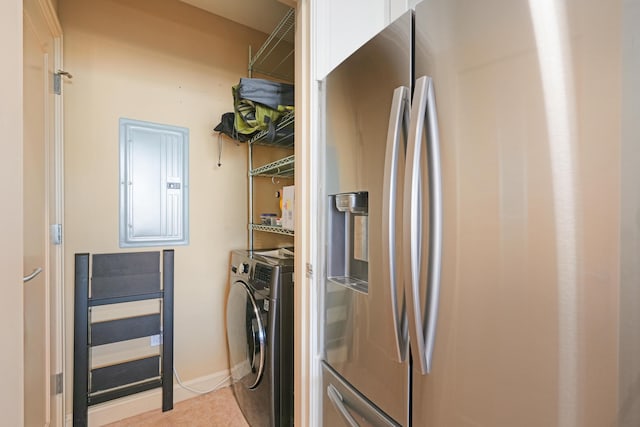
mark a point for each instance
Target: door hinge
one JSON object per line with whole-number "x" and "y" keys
{"x": 57, "y": 383}
{"x": 57, "y": 81}
{"x": 56, "y": 234}
{"x": 309, "y": 270}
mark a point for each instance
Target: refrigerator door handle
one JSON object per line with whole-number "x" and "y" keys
{"x": 436, "y": 224}
{"x": 395, "y": 151}
{"x": 422, "y": 332}
{"x": 338, "y": 402}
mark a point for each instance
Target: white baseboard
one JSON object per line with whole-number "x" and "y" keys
{"x": 139, "y": 403}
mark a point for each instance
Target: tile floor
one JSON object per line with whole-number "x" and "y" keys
{"x": 218, "y": 408}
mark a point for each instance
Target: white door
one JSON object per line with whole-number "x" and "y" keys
{"x": 42, "y": 312}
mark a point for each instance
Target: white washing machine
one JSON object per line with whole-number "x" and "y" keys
{"x": 260, "y": 337}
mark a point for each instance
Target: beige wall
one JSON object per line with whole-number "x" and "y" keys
{"x": 166, "y": 62}
{"x": 11, "y": 392}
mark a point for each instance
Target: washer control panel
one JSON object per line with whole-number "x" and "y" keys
{"x": 262, "y": 275}
{"x": 240, "y": 269}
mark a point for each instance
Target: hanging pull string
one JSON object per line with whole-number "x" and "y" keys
{"x": 220, "y": 143}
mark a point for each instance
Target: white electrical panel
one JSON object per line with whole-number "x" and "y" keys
{"x": 154, "y": 196}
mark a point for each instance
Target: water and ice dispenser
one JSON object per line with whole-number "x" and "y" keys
{"x": 348, "y": 240}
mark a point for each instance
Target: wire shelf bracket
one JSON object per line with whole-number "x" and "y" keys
{"x": 257, "y": 63}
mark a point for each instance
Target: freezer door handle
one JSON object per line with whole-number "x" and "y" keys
{"x": 394, "y": 163}
{"x": 422, "y": 325}
{"x": 336, "y": 398}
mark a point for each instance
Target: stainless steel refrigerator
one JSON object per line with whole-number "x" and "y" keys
{"x": 471, "y": 218}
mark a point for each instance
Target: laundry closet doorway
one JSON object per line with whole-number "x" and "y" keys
{"x": 42, "y": 208}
